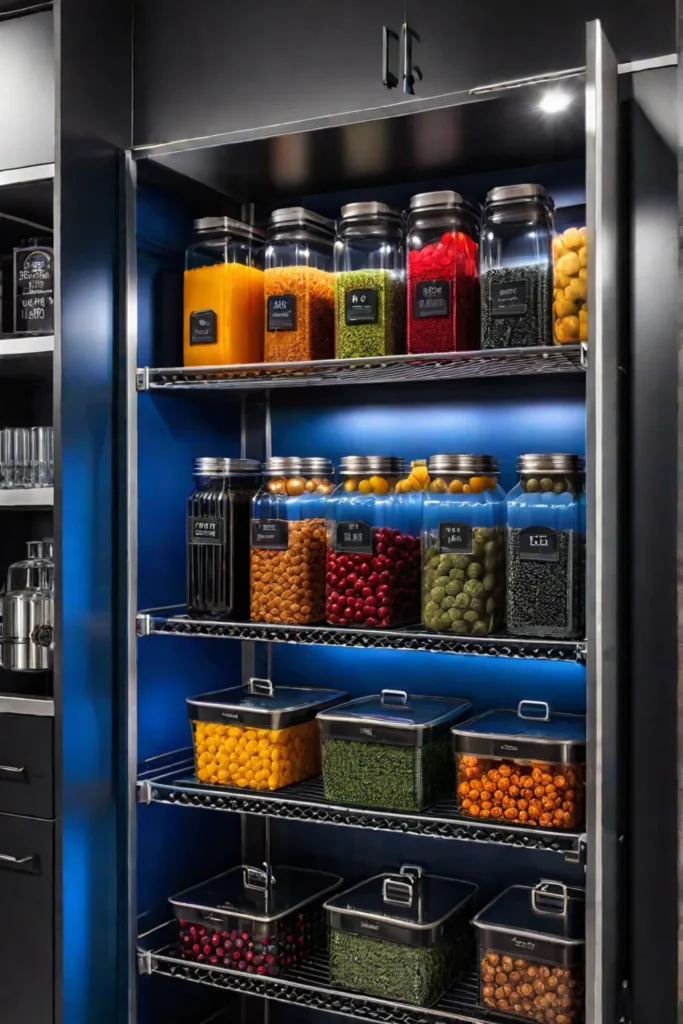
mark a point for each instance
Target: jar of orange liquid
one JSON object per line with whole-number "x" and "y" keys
{"x": 223, "y": 294}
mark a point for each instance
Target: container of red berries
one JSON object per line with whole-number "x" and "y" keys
{"x": 255, "y": 920}
{"x": 443, "y": 273}
{"x": 373, "y": 545}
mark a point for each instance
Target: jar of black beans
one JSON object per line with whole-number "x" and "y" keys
{"x": 545, "y": 548}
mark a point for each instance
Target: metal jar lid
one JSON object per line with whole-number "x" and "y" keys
{"x": 357, "y": 465}
{"x": 260, "y": 705}
{"x": 529, "y": 733}
{"x": 473, "y": 465}
{"x": 286, "y": 465}
{"x": 298, "y": 216}
{"x": 226, "y": 467}
{"x": 506, "y": 193}
{"x": 445, "y": 200}
{"x": 213, "y": 225}
{"x": 550, "y": 911}
{"x": 357, "y": 211}
{"x": 393, "y": 718}
{"x": 551, "y": 463}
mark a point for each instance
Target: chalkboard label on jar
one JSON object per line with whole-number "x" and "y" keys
{"x": 282, "y": 312}
{"x": 34, "y": 289}
{"x": 354, "y": 538}
{"x": 361, "y": 306}
{"x": 455, "y": 538}
{"x": 508, "y": 298}
{"x": 538, "y": 544}
{"x": 432, "y": 298}
{"x": 272, "y": 534}
{"x": 206, "y": 530}
{"x": 203, "y": 327}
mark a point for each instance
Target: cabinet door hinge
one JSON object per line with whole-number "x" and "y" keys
{"x": 142, "y": 379}
{"x": 145, "y": 626}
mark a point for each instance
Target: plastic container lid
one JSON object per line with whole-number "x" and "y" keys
{"x": 253, "y": 894}
{"x": 522, "y": 734}
{"x": 393, "y": 717}
{"x": 548, "y": 912}
{"x": 408, "y": 907}
{"x": 260, "y": 705}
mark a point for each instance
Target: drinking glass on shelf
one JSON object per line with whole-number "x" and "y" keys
{"x": 21, "y": 457}
{"x": 6, "y": 458}
{"x": 42, "y": 456}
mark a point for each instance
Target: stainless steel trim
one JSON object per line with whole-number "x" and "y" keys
{"x": 36, "y": 706}
{"x": 520, "y": 83}
{"x": 28, "y": 497}
{"x": 602, "y": 179}
{"x": 25, "y": 175}
{"x": 27, "y": 345}
{"x": 648, "y": 64}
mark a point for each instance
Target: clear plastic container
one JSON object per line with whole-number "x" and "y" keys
{"x": 223, "y": 294}
{"x": 258, "y": 736}
{"x": 463, "y": 546}
{"x": 443, "y": 273}
{"x": 545, "y": 551}
{"x": 299, "y": 286}
{"x": 532, "y": 953}
{"x": 369, "y": 282}
{"x": 218, "y": 532}
{"x": 525, "y": 767}
{"x": 390, "y": 751}
{"x": 373, "y": 545}
{"x": 517, "y": 268}
{"x": 402, "y": 936}
{"x": 570, "y": 284}
{"x": 289, "y": 541}
{"x": 252, "y": 920}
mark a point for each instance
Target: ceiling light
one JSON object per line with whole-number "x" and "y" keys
{"x": 555, "y": 101}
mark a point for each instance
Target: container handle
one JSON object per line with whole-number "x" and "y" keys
{"x": 545, "y": 717}
{"x": 257, "y": 878}
{"x": 398, "y": 889}
{"x": 411, "y": 870}
{"x": 401, "y": 697}
{"x": 552, "y": 892}
{"x": 260, "y": 687}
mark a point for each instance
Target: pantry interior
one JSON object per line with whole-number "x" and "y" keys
{"x": 561, "y": 399}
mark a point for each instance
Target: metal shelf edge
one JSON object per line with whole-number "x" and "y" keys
{"x": 27, "y": 497}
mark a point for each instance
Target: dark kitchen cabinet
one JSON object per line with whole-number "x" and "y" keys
{"x": 27, "y": 91}
{"x": 27, "y": 902}
{"x": 26, "y": 766}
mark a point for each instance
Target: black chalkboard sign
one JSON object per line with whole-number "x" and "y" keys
{"x": 34, "y": 289}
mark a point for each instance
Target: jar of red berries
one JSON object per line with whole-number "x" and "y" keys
{"x": 443, "y": 273}
{"x": 373, "y": 545}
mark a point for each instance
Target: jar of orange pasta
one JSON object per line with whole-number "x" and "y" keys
{"x": 258, "y": 736}
{"x": 223, "y": 294}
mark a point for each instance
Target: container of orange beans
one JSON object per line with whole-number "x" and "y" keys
{"x": 258, "y": 736}
{"x": 525, "y": 767}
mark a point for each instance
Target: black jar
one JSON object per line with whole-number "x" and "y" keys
{"x": 218, "y": 525}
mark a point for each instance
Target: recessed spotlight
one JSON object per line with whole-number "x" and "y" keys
{"x": 555, "y": 101}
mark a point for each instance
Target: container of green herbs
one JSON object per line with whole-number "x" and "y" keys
{"x": 389, "y": 751}
{"x": 402, "y": 936}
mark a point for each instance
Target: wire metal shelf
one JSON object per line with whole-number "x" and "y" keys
{"x": 170, "y": 779}
{"x": 164, "y": 621}
{"x": 308, "y": 984}
{"x": 375, "y": 370}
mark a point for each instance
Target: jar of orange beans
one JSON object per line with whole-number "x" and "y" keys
{"x": 258, "y": 736}
{"x": 525, "y": 767}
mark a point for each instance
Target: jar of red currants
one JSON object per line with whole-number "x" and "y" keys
{"x": 373, "y": 546}
{"x": 443, "y": 273}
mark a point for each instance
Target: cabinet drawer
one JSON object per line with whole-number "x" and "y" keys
{"x": 27, "y": 902}
{"x": 26, "y": 765}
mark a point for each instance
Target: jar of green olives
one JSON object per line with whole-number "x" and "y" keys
{"x": 463, "y": 546}
{"x": 545, "y": 548}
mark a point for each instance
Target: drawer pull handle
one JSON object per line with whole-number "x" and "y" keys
{"x": 16, "y": 862}
{"x": 14, "y": 773}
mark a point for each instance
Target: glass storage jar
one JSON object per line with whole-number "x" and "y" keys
{"x": 373, "y": 545}
{"x": 532, "y": 953}
{"x": 546, "y": 517}
{"x": 463, "y": 546}
{"x": 369, "y": 282}
{"x": 570, "y": 295}
{"x": 223, "y": 294}
{"x": 258, "y": 736}
{"x": 443, "y": 273}
{"x": 402, "y": 936}
{"x": 218, "y": 518}
{"x": 522, "y": 767}
{"x": 289, "y": 541}
{"x": 299, "y": 286}
{"x": 516, "y": 267}
{"x": 255, "y": 920}
{"x": 390, "y": 751}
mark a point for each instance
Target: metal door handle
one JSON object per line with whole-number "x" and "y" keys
{"x": 409, "y": 70}
{"x": 14, "y": 773}
{"x": 16, "y": 862}
{"x": 388, "y": 77}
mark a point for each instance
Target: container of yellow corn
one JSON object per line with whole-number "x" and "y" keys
{"x": 570, "y": 288}
{"x": 258, "y": 736}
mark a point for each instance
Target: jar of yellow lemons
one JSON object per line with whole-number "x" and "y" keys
{"x": 258, "y": 736}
